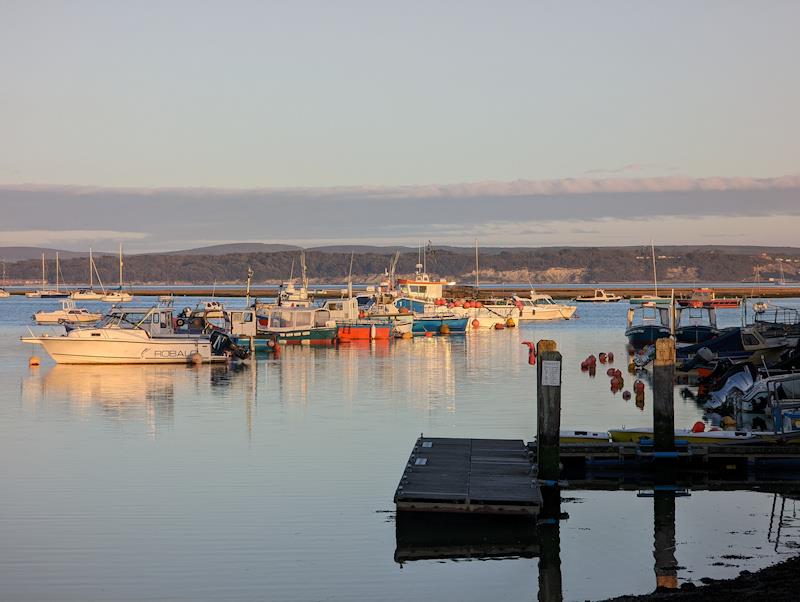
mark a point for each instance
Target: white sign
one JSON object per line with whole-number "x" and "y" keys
{"x": 551, "y": 373}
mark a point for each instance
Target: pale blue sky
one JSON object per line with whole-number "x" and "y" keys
{"x": 318, "y": 94}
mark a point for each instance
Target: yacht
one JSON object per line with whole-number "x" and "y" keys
{"x": 599, "y": 296}
{"x": 542, "y": 307}
{"x": 118, "y": 295}
{"x": 89, "y": 294}
{"x": 135, "y": 336}
{"x": 68, "y": 313}
{"x": 44, "y": 292}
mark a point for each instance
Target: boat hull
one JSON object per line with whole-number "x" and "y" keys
{"x": 365, "y": 331}
{"x": 70, "y": 319}
{"x": 304, "y": 336}
{"x": 705, "y": 438}
{"x": 639, "y": 336}
{"x": 423, "y": 325}
{"x": 69, "y": 350}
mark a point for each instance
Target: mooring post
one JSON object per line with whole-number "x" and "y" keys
{"x": 666, "y": 566}
{"x": 548, "y": 410}
{"x": 663, "y": 396}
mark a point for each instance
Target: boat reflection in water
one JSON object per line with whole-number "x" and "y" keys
{"x": 133, "y": 393}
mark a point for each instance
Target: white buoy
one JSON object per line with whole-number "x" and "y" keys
{"x": 195, "y": 358}
{"x": 372, "y": 331}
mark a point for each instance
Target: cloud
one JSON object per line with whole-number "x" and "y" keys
{"x": 53, "y": 237}
{"x": 632, "y": 168}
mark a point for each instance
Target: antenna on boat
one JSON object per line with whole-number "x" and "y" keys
{"x": 305, "y": 270}
{"x": 247, "y": 292}
{"x": 350, "y": 276}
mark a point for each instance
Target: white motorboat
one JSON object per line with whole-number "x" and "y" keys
{"x": 542, "y": 307}
{"x": 134, "y": 336}
{"x": 68, "y": 313}
{"x": 599, "y": 296}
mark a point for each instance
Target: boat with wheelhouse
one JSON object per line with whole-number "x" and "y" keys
{"x": 298, "y": 325}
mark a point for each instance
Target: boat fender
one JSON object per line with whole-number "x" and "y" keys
{"x": 531, "y": 352}
{"x": 476, "y": 323}
{"x": 698, "y": 427}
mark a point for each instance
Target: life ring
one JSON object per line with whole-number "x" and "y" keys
{"x": 180, "y": 322}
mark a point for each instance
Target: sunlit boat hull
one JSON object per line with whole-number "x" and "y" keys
{"x": 637, "y": 435}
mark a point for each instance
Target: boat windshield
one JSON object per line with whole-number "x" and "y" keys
{"x": 546, "y": 300}
{"x": 124, "y": 319}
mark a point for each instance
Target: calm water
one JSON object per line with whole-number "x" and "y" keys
{"x": 274, "y": 480}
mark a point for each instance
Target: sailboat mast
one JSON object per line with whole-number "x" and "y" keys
{"x": 91, "y": 273}
{"x": 655, "y": 277}
{"x": 120, "y": 266}
{"x": 58, "y": 269}
{"x": 477, "y": 282}
{"x": 43, "y": 285}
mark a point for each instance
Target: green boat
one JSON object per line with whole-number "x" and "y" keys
{"x": 297, "y": 326}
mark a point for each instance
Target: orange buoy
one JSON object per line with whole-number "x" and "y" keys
{"x": 610, "y": 372}
{"x": 444, "y": 329}
{"x": 510, "y": 322}
{"x": 698, "y": 427}
{"x": 499, "y": 326}
{"x": 34, "y": 361}
{"x": 610, "y": 357}
{"x": 476, "y": 323}
{"x": 408, "y": 335}
{"x": 428, "y": 333}
{"x": 531, "y": 352}
{"x": 602, "y": 357}
{"x": 403, "y": 310}
{"x": 638, "y": 386}
{"x": 477, "y": 304}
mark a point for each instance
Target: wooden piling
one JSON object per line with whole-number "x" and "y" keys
{"x": 548, "y": 409}
{"x": 663, "y": 396}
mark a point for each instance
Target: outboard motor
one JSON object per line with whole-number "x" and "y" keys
{"x": 222, "y": 343}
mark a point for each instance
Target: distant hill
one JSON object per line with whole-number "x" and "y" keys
{"x": 23, "y": 253}
{"x": 234, "y": 248}
{"x": 564, "y": 265}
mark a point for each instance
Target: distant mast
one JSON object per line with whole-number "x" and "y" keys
{"x": 58, "y": 269}
{"x": 477, "y": 281}
{"x": 655, "y": 277}
{"x": 120, "y": 266}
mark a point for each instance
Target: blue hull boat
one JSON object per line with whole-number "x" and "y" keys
{"x": 423, "y": 324}
{"x": 646, "y": 334}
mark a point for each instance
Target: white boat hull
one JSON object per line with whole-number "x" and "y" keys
{"x": 58, "y": 317}
{"x": 102, "y": 350}
{"x": 542, "y": 312}
{"x": 86, "y": 296}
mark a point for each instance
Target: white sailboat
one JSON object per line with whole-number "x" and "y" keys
{"x": 4, "y": 294}
{"x": 89, "y": 294}
{"x": 119, "y": 295}
{"x": 654, "y": 298}
{"x": 44, "y": 292}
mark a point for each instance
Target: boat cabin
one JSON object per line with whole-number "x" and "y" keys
{"x": 284, "y": 319}
{"x": 157, "y": 321}
{"x": 421, "y": 286}
{"x": 343, "y": 310}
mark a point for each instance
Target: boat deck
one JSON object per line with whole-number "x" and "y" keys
{"x": 485, "y": 476}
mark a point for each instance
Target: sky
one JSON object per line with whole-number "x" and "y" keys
{"x": 175, "y": 124}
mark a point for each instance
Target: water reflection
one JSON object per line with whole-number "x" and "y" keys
{"x": 132, "y": 393}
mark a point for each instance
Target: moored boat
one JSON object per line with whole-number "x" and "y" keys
{"x": 135, "y": 336}
{"x": 68, "y": 313}
{"x": 706, "y": 297}
{"x": 646, "y": 324}
{"x": 720, "y": 437}
{"x": 298, "y": 326}
{"x": 599, "y": 296}
{"x": 542, "y": 307}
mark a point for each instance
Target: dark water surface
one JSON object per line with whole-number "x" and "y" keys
{"x": 274, "y": 480}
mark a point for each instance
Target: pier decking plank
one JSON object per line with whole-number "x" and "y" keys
{"x": 492, "y": 476}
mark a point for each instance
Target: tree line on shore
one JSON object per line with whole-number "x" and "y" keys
{"x": 564, "y": 265}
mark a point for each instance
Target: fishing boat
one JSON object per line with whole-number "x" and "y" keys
{"x": 68, "y": 313}
{"x": 44, "y": 292}
{"x": 118, "y": 295}
{"x": 542, "y": 307}
{"x": 695, "y": 324}
{"x": 135, "y": 336}
{"x": 654, "y": 298}
{"x": 89, "y": 294}
{"x": 298, "y": 325}
{"x": 646, "y": 324}
{"x": 599, "y": 296}
{"x": 706, "y": 297}
{"x": 353, "y": 323}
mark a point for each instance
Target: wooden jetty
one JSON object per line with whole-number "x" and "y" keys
{"x": 471, "y": 476}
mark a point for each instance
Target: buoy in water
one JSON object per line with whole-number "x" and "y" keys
{"x": 34, "y": 361}
{"x": 698, "y": 427}
{"x": 602, "y": 358}
{"x": 476, "y": 323}
{"x": 499, "y": 326}
{"x": 429, "y": 334}
{"x": 610, "y": 357}
{"x": 444, "y": 329}
{"x": 638, "y": 386}
{"x": 626, "y": 395}
{"x": 510, "y": 323}
{"x": 610, "y": 372}
{"x": 408, "y": 335}
{"x": 632, "y": 368}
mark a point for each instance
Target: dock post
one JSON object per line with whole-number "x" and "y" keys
{"x": 548, "y": 410}
{"x": 666, "y": 566}
{"x": 550, "y": 588}
{"x": 663, "y": 396}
